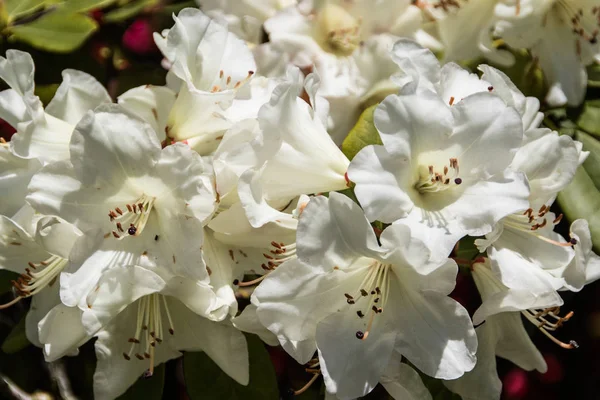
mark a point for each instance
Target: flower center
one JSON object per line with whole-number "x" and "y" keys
{"x": 431, "y": 181}
{"x": 340, "y": 30}
{"x": 132, "y": 220}
{"x": 548, "y": 320}
{"x": 31, "y": 283}
{"x": 371, "y": 297}
{"x": 149, "y": 329}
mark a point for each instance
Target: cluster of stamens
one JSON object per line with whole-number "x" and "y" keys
{"x": 226, "y": 83}
{"x": 447, "y": 5}
{"x": 36, "y": 277}
{"x": 548, "y": 320}
{"x": 132, "y": 220}
{"x": 371, "y": 297}
{"x": 432, "y": 181}
{"x": 344, "y": 40}
{"x": 278, "y": 254}
{"x": 530, "y": 222}
{"x": 149, "y": 329}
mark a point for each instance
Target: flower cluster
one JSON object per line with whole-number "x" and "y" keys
{"x": 136, "y": 223}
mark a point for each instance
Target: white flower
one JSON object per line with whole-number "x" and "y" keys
{"x": 463, "y": 29}
{"x": 293, "y": 154}
{"x": 211, "y": 71}
{"x": 143, "y": 318}
{"x": 39, "y": 251}
{"x": 561, "y": 34}
{"x": 443, "y": 164}
{"x": 348, "y": 44}
{"x": 244, "y": 18}
{"x": 15, "y": 174}
{"x": 44, "y": 134}
{"x": 149, "y": 203}
{"x": 359, "y": 302}
{"x": 503, "y": 333}
{"x": 585, "y": 266}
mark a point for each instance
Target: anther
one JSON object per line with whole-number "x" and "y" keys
{"x": 360, "y": 314}
{"x": 125, "y": 356}
{"x": 364, "y": 292}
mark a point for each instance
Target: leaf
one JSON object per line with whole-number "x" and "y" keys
{"x": 147, "y": 388}
{"x": 589, "y": 119}
{"x": 46, "y": 92}
{"x": 16, "y": 339}
{"x": 581, "y": 199}
{"x": 56, "y": 31}
{"x": 363, "y": 134}
{"x": 206, "y": 381}
{"x": 594, "y": 75}
{"x": 592, "y": 163}
{"x": 14, "y": 9}
{"x": 128, "y": 11}
{"x": 72, "y": 6}
{"x": 466, "y": 248}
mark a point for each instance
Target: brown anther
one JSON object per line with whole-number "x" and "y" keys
{"x": 360, "y": 314}
{"x": 350, "y": 301}
{"x": 490, "y": 88}
{"x": 134, "y": 208}
{"x": 146, "y": 355}
{"x": 451, "y": 100}
{"x": 120, "y": 227}
{"x": 139, "y": 356}
{"x": 363, "y": 292}
{"x": 32, "y": 265}
{"x": 573, "y": 241}
{"x": 431, "y": 170}
{"x": 557, "y": 219}
{"x": 171, "y": 331}
{"x": 115, "y": 234}
{"x": 129, "y": 207}
{"x": 376, "y": 300}
{"x": 221, "y": 73}
{"x": 125, "y": 356}
{"x": 377, "y": 290}
{"x": 228, "y": 80}
{"x": 348, "y": 296}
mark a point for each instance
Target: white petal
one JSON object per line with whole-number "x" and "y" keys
{"x": 114, "y": 374}
{"x": 295, "y": 297}
{"x": 515, "y": 344}
{"x": 248, "y": 321}
{"x": 482, "y": 382}
{"x": 46, "y": 138}
{"x": 151, "y": 103}
{"x": 352, "y": 367}
{"x": 57, "y": 236}
{"x": 402, "y": 382}
{"x": 434, "y": 332}
{"x": 117, "y": 289}
{"x": 333, "y": 232}
{"x": 17, "y": 247}
{"x": 15, "y": 174}
{"x": 17, "y": 70}
{"x": 41, "y": 304}
{"x": 77, "y": 94}
{"x": 380, "y": 178}
{"x": 112, "y": 145}
{"x": 418, "y": 63}
{"x": 223, "y": 343}
{"x": 61, "y": 331}
{"x": 12, "y": 107}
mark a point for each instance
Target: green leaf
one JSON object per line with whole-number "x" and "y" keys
{"x": 147, "y": 388}
{"x": 206, "y": 381}
{"x": 581, "y": 199}
{"x": 46, "y": 92}
{"x": 72, "y": 6}
{"x": 589, "y": 119}
{"x": 594, "y": 75}
{"x": 14, "y": 9}
{"x": 5, "y": 280}
{"x": 56, "y": 31}
{"x": 437, "y": 389}
{"x": 16, "y": 339}
{"x": 363, "y": 134}
{"x": 592, "y": 163}
{"x": 466, "y": 248}
{"x": 128, "y": 11}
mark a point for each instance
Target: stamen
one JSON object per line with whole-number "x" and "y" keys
{"x": 431, "y": 181}
{"x": 537, "y": 317}
{"x": 136, "y": 216}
